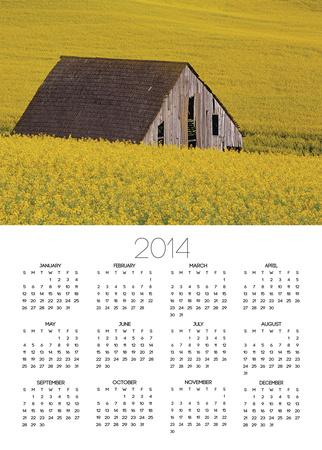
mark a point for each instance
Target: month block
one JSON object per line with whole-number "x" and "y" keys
{"x": 199, "y": 346}
{"x": 124, "y": 403}
{"x": 49, "y": 403}
{"x": 50, "y": 287}
{"x": 124, "y": 344}
{"x": 50, "y": 347}
{"x": 270, "y": 288}
{"x": 271, "y": 403}
{"x": 198, "y": 405}
{"x": 271, "y": 346}
{"x": 199, "y": 290}
{"x": 124, "y": 287}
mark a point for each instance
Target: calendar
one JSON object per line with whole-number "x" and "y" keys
{"x": 161, "y": 337}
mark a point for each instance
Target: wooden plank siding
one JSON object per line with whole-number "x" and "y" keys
{"x": 174, "y": 114}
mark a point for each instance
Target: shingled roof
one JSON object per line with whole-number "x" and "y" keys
{"x": 99, "y": 98}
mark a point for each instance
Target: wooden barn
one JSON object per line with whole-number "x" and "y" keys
{"x": 120, "y": 99}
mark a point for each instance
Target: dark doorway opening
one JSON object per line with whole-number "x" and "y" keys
{"x": 192, "y": 132}
{"x": 215, "y": 125}
{"x": 161, "y": 134}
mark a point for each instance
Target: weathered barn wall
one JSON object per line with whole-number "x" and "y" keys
{"x": 174, "y": 114}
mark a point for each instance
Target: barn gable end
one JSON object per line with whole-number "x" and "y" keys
{"x": 132, "y": 100}
{"x": 175, "y": 112}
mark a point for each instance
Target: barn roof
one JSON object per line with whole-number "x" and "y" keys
{"x": 114, "y": 99}
{"x": 100, "y": 98}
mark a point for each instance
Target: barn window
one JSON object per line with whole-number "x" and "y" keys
{"x": 161, "y": 133}
{"x": 215, "y": 124}
{"x": 192, "y": 133}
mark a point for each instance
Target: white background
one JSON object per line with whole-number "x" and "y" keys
{"x": 88, "y": 249}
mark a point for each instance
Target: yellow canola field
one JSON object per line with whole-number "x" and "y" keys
{"x": 52, "y": 181}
